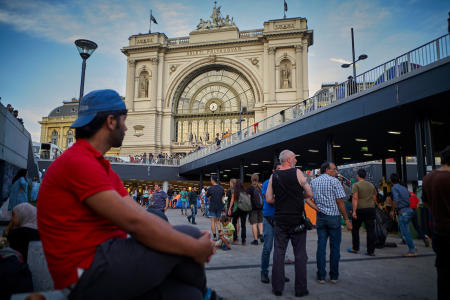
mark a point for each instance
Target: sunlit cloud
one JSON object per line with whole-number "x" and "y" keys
{"x": 340, "y": 60}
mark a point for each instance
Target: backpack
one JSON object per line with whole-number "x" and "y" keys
{"x": 244, "y": 203}
{"x": 258, "y": 201}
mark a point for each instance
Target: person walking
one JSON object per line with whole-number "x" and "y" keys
{"x": 329, "y": 198}
{"x": 436, "y": 196}
{"x": 287, "y": 191}
{"x": 364, "y": 199}
{"x": 256, "y": 215}
{"x": 237, "y": 213}
{"x": 215, "y": 196}
{"x": 160, "y": 200}
{"x": 34, "y": 189}
{"x": 400, "y": 195}
{"x": 192, "y": 196}
{"x": 184, "y": 201}
{"x": 413, "y": 204}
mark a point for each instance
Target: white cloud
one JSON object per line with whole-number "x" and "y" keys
{"x": 340, "y": 60}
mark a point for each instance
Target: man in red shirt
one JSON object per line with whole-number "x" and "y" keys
{"x": 85, "y": 214}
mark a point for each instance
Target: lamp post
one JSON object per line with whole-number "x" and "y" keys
{"x": 85, "y": 48}
{"x": 241, "y": 110}
{"x": 361, "y": 57}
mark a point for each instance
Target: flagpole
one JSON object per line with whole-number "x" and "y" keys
{"x": 150, "y": 29}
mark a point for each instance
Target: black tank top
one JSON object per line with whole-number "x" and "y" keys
{"x": 289, "y": 200}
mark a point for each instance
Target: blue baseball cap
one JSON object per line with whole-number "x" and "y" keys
{"x": 97, "y": 101}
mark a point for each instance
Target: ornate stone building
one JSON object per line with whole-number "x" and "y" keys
{"x": 182, "y": 92}
{"x": 55, "y": 128}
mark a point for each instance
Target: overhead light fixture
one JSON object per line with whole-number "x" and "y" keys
{"x": 297, "y": 155}
{"x": 368, "y": 154}
{"x": 391, "y": 150}
{"x": 364, "y": 148}
{"x": 245, "y": 166}
{"x": 313, "y": 150}
{"x": 227, "y": 170}
{"x": 266, "y": 161}
{"x": 336, "y": 146}
{"x": 254, "y": 164}
{"x": 394, "y": 132}
{"x": 361, "y": 140}
{"x": 347, "y": 158}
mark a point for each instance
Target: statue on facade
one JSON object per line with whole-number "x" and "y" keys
{"x": 285, "y": 77}
{"x": 216, "y": 21}
{"x": 143, "y": 85}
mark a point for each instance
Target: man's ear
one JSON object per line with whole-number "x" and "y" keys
{"x": 111, "y": 122}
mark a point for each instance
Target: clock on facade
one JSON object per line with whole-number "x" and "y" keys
{"x": 213, "y": 107}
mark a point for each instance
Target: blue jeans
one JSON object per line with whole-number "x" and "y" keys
{"x": 328, "y": 227}
{"x": 404, "y": 217}
{"x": 267, "y": 247}
{"x": 193, "y": 213}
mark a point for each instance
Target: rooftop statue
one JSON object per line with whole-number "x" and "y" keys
{"x": 217, "y": 21}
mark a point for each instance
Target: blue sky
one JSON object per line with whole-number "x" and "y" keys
{"x": 41, "y": 67}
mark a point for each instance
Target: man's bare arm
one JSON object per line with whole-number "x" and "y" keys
{"x": 354, "y": 204}
{"x": 304, "y": 184}
{"x": 342, "y": 210}
{"x": 269, "y": 193}
{"x": 148, "y": 228}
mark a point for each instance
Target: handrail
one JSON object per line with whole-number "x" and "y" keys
{"x": 419, "y": 57}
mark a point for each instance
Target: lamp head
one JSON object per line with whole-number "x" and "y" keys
{"x": 345, "y": 65}
{"x": 85, "y": 48}
{"x": 362, "y": 56}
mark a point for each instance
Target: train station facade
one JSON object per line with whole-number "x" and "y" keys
{"x": 183, "y": 92}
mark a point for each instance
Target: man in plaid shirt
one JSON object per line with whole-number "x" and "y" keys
{"x": 328, "y": 195}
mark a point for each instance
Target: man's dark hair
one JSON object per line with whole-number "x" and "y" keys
{"x": 394, "y": 178}
{"x": 90, "y": 129}
{"x": 445, "y": 156}
{"x": 324, "y": 167}
{"x": 276, "y": 164}
{"x": 361, "y": 173}
{"x": 215, "y": 178}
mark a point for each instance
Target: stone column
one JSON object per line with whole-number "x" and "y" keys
{"x": 154, "y": 94}
{"x": 61, "y": 138}
{"x": 272, "y": 72}
{"x": 266, "y": 74}
{"x": 160, "y": 93}
{"x": 129, "y": 97}
{"x": 305, "y": 70}
{"x": 299, "y": 72}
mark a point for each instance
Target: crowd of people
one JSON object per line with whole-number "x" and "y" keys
{"x": 161, "y": 158}
{"x": 14, "y": 112}
{"x": 101, "y": 240}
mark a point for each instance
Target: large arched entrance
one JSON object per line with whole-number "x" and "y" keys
{"x": 211, "y": 101}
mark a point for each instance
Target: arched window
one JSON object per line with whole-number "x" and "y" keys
{"x": 54, "y": 139}
{"x": 69, "y": 140}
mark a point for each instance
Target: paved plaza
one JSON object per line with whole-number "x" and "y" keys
{"x": 235, "y": 274}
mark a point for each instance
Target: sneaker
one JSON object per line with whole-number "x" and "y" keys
{"x": 334, "y": 281}
{"x": 244, "y": 243}
{"x": 370, "y": 254}
{"x": 261, "y": 239}
{"x": 235, "y": 242}
{"x": 286, "y": 279}
{"x": 350, "y": 250}
{"x": 427, "y": 241}
{"x": 321, "y": 281}
{"x": 225, "y": 248}
{"x": 265, "y": 278}
{"x": 255, "y": 242}
{"x": 277, "y": 293}
{"x": 193, "y": 223}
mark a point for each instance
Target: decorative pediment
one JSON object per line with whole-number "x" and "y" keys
{"x": 217, "y": 21}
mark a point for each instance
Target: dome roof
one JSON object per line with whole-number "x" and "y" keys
{"x": 65, "y": 110}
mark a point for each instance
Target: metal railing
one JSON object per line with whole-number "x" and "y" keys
{"x": 397, "y": 67}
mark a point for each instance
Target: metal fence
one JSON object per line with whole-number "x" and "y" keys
{"x": 397, "y": 67}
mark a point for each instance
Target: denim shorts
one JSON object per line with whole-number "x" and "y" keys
{"x": 214, "y": 214}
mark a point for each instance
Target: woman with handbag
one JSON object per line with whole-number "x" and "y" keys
{"x": 237, "y": 210}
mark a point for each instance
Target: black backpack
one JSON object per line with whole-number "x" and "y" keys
{"x": 258, "y": 200}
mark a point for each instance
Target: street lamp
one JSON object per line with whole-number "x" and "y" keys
{"x": 361, "y": 57}
{"x": 85, "y": 48}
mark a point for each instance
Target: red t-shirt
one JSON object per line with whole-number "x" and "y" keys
{"x": 70, "y": 231}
